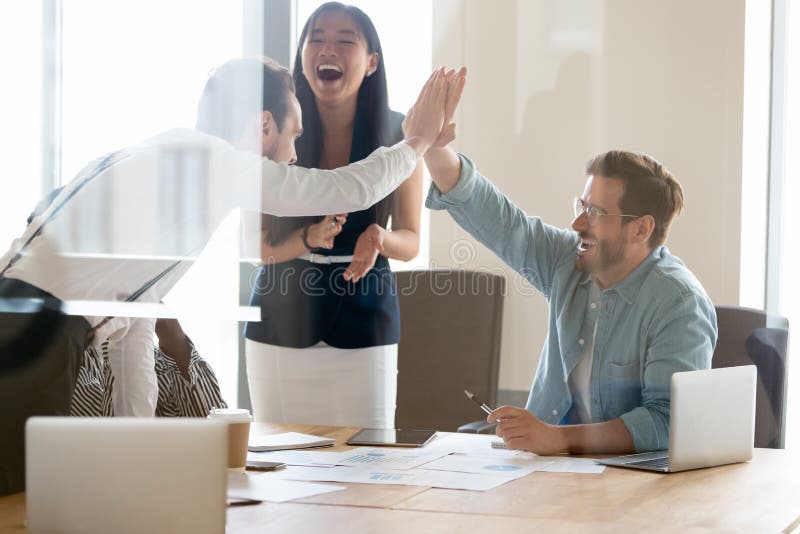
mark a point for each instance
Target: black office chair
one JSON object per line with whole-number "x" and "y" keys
{"x": 451, "y": 324}
{"x": 752, "y": 337}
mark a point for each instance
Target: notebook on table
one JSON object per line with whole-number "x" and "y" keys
{"x": 286, "y": 441}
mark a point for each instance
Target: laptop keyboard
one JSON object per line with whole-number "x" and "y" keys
{"x": 655, "y": 462}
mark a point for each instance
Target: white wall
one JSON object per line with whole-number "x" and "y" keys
{"x": 552, "y": 83}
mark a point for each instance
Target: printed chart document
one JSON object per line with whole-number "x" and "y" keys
{"x": 452, "y": 461}
{"x": 287, "y": 440}
{"x": 265, "y": 488}
{"x": 452, "y": 442}
{"x": 515, "y": 467}
{"x": 481, "y": 445}
{"x": 409, "y": 477}
{"x": 388, "y": 458}
{"x": 310, "y": 458}
{"x": 565, "y": 464}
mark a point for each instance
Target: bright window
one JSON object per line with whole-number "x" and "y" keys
{"x": 132, "y": 69}
{"x": 21, "y": 110}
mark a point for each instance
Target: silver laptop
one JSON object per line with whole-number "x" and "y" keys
{"x": 101, "y": 475}
{"x": 712, "y": 422}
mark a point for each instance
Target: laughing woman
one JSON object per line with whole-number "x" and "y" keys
{"x": 325, "y": 351}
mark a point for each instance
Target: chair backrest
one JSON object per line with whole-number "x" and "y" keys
{"x": 753, "y": 337}
{"x": 451, "y": 324}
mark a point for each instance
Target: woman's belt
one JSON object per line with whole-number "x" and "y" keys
{"x": 323, "y": 259}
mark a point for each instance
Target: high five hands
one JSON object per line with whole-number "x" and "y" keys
{"x": 456, "y": 80}
{"x": 429, "y": 122}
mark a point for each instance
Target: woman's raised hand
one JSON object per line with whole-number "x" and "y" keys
{"x": 424, "y": 120}
{"x": 429, "y": 122}
{"x": 455, "y": 87}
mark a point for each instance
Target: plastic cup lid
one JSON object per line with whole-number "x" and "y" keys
{"x": 230, "y": 415}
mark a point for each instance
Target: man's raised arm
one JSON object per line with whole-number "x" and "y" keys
{"x": 443, "y": 163}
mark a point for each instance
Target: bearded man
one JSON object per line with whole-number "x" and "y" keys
{"x": 624, "y": 313}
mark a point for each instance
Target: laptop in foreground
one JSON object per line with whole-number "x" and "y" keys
{"x": 712, "y": 422}
{"x": 102, "y": 475}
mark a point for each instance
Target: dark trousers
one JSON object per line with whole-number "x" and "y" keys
{"x": 40, "y": 352}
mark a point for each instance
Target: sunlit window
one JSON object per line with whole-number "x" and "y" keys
{"x": 21, "y": 110}
{"x": 132, "y": 69}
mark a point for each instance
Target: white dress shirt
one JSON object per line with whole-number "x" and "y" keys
{"x": 161, "y": 202}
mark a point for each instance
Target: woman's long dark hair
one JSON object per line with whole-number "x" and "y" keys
{"x": 372, "y": 118}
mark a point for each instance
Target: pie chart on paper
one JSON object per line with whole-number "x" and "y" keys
{"x": 501, "y": 468}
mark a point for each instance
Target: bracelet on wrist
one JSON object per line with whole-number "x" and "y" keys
{"x": 305, "y": 238}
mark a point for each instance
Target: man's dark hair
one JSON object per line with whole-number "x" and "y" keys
{"x": 648, "y": 188}
{"x": 238, "y": 89}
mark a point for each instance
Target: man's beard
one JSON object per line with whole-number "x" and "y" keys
{"x": 607, "y": 255}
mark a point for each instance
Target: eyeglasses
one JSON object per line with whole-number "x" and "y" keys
{"x": 593, "y": 213}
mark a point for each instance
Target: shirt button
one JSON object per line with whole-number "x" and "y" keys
{"x": 593, "y": 305}
{"x": 581, "y": 341}
{"x": 555, "y": 412}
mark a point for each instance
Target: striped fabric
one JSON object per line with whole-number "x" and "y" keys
{"x": 177, "y": 395}
{"x": 92, "y": 394}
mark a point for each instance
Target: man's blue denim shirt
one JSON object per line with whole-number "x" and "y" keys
{"x": 655, "y": 322}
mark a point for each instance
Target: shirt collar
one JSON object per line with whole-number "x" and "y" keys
{"x": 629, "y": 286}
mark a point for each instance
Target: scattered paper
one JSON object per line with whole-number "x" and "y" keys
{"x": 287, "y": 440}
{"x": 387, "y": 458}
{"x": 410, "y": 477}
{"x": 565, "y": 464}
{"x": 456, "y": 442}
{"x": 514, "y": 467}
{"x": 265, "y": 488}
{"x": 311, "y": 458}
{"x": 482, "y": 445}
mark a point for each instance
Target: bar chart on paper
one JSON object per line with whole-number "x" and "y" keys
{"x": 387, "y": 459}
{"x": 369, "y": 458}
{"x": 395, "y": 476}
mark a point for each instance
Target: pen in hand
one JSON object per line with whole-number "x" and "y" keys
{"x": 474, "y": 398}
{"x": 488, "y": 409}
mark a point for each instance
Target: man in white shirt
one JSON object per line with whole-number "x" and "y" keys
{"x": 161, "y": 200}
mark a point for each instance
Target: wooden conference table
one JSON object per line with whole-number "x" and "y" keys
{"x": 760, "y": 496}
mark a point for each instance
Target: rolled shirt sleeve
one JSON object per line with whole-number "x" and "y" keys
{"x": 682, "y": 341}
{"x": 526, "y": 244}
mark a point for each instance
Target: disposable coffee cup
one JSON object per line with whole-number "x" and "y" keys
{"x": 238, "y": 421}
